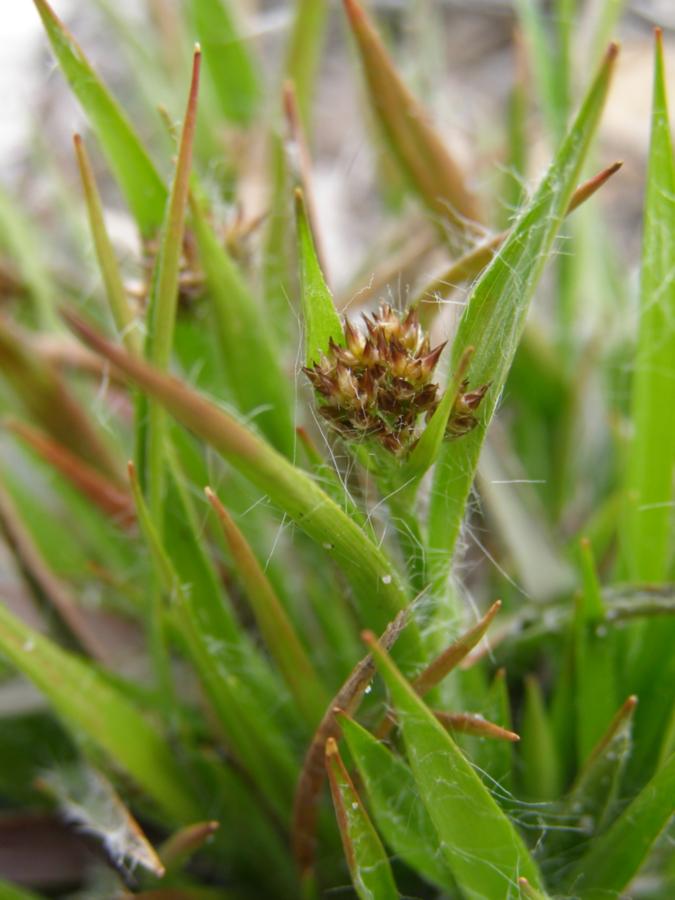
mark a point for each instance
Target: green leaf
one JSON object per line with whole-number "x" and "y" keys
{"x": 274, "y": 624}
{"x": 228, "y": 61}
{"x": 591, "y": 802}
{"x": 483, "y": 849}
{"x": 595, "y": 652}
{"x": 18, "y": 237}
{"x": 251, "y": 363}
{"x": 377, "y": 586}
{"x": 141, "y": 185}
{"x": 14, "y": 892}
{"x": 616, "y": 856}
{"x": 471, "y": 264}
{"x": 646, "y": 533}
{"x": 96, "y": 710}
{"x": 426, "y": 450}
{"x": 310, "y": 782}
{"x": 594, "y": 606}
{"x": 550, "y": 77}
{"x": 322, "y": 322}
{"x": 43, "y": 392}
{"x": 541, "y": 775}
{"x": 161, "y": 314}
{"x": 118, "y": 299}
{"x": 366, "y": 857}
{"x": 494, "y": 318}
{"x": 517, "y": 149}
{"x": 496, "y": 757}
{"x": 304, "y": 47}
{"x": 230, "y": 687}
{"x": 396, "y": 806}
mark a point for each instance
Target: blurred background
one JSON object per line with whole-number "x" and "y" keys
{"x": 458, "y": 57}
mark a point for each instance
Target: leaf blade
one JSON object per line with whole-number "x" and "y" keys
{"x": 88, "y": 702}
{"x": 482, "y": 848}
{"x": 616, "y": 856}
{"x": 322, "y": 322}
{"x": 366, "y": 858}
{"x": 494, "y": 318}
{"x": 398, "y": 812}
{"x": 141, "y": 185}
{"x": 647, "y": 528}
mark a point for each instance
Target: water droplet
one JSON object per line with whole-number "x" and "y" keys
{"x": 369, "y": 688}
{"x": 327, "y": 545}
{"x": 355, "y": 805}
{"x": 601, "y": 631}
{"x": 29, "y": 644}
{"x": 386, "y": 579}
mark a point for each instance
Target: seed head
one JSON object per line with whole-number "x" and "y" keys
{"x": 379, "y": 384}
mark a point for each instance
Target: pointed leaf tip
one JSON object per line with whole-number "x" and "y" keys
{"x": 322, "y": 322}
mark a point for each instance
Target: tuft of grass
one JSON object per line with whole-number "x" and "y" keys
{"x": 198, "y": 557}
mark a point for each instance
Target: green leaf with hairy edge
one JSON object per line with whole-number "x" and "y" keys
{"x": 494, "y": 318}
{"x": 646, "y": 530}
{"x": 397, "y": 809}
{"x": 252, "y": 365}
{"x": 91, "y": 706}
{"x": 540, "y": 774}
{"x": 366, "y": 857}
{"x": 141, "y": 185}
{"x": 484, "y": 851}
{"x": 227, "y": 58}
{"x": 228, "y": 669}
{"x": 616, "y": 856}
{"x": 322, "y": 322}
{"x": 646, "y": 533}
{"x": 379, "y": 592}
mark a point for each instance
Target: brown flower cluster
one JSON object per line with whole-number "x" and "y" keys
{"x": 379, "y": 384}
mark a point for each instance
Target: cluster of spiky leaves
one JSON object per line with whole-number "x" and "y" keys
{"x": 251, "y": 633}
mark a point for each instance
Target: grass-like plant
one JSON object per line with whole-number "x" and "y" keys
{"x": 278, "y": 540}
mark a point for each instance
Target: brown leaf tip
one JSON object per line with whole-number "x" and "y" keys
{"x": 354, "y": 10}
{"x": 612, "y": 51}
